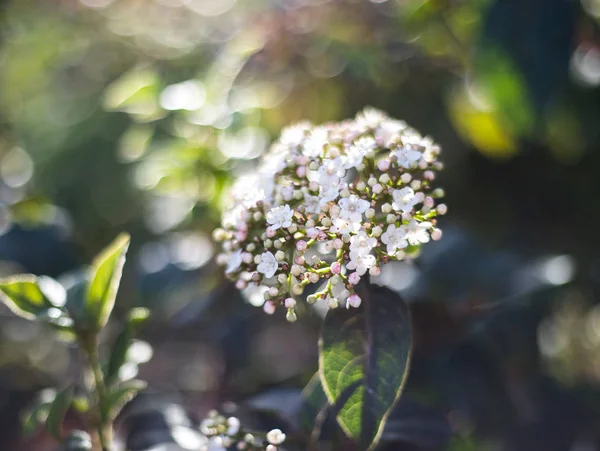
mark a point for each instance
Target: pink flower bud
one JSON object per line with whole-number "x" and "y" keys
{"x": 301, "y": 172}
{"x": 299, "y": 260}
{"x": 271, "y": 232}
{"x": 353, "y": 301}
{"x": 436, "y": 234}
{"x": 338, "y": 244}
{"x": 269, "y": 307}
{"x": 313, "y": 277}
{"x": 313, "y": 186}
{"x": 375, "y": 271}
{"x": 354, "y": 278}
{"x": 336, "y": 267}
{"x": 428, "y": 202}
{"x": 383, "y": 165}
{"x": 312, "y": 232}
{"x": 301, "y": 245}
{"x": 290, "y": 303}
{"x": 429, "y": 175}
{"x": 241, "y": 284}
{"x": 247, "y": 257}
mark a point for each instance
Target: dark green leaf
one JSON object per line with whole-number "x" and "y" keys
{"x": 121, "y": 395}
{"x": 106, "y": 276}
{"x": 57, "y": 412}
{"x": 368, "y": 347}
{"x": 118, "y": 354}
{"x": 29, "y": 296}
{"x": 314, "y": 400}
{"x": 37, "y": 413}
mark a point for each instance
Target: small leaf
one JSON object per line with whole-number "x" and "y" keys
{"x": 106, "y": 276}
{"x": 121, "y": 395}
{"x": 368, "y": 347}
{"x": 24, "y": 296}
{"x": 118, "y": 353}
{"x": 57, "y": 412}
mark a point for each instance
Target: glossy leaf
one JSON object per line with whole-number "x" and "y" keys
{"x": 31, "y": 297}
{"x": 364, "y": 357}
{"x": 57, "y": 412}
{"x": 106, "y": 276}
{"x": 121, "y": 395}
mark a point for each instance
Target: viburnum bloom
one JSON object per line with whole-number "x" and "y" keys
{"x": 328, "y": 204}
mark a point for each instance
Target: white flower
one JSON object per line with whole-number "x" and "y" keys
{"x": 292, "y": 137}
{"x": 417, "y": 233}
{"x": 328, "y": 194}
{"x": 405, "y": 199}
{"x": 235, "y": 261}
{"x": 406, "y": 156}
{"x": 389, "y": 131}
{"x": 370, "y": 118}
{"x": 312, "y": 203}
{"x": 395, "y": 238}
{"x": 342, "y": 226}
{"x": 330, "y": 171}
{"x": 353, "y": 207}
{"x": 280, "y": 217}
{"x": 314, "y": 144}
{"x": 361, "y": 244}
{"x": 268, "y": 265}
{"x": 358, "y": 151}
{"x": 361, "y": 262}
{"x": 275, "y": 437}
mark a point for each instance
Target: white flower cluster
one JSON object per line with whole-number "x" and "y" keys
{"x": 227, "y": 433}
{"x": 331, "y": 202}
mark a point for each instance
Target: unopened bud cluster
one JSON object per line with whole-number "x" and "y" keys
{"x": 331, "y": 202}
{"x": 227, "y": 433}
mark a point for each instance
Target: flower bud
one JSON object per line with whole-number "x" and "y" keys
{"x": 353, "y": 301}
{"x": 442, "y": 209}
{"x": 291, "y": 315}
{"x": 375, "y": 271}
{"x": 290, "y": 303}
{"x": 406, "y": 177}
{"x": 383, "y": 165}
{"x": 301, "y": 245}
{"x": 313, "y": 277}
{"x": 336, "y": 267}
{"x": 269, "y": 307}
{"x": 436, "y": 234}
{"x": 354, "y": 278}
{"x": 370, "y": 213}
{"x": 377, "y": 188}
{"x": 280, "y": 256}
{"x": 386, "y": 208}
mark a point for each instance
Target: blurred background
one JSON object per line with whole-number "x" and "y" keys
{"x": 136, "y": 114}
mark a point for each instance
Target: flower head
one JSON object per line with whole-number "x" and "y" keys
{"x": 330, "y": 203}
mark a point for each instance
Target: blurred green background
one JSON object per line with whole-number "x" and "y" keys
{"x": 136, "y": 114}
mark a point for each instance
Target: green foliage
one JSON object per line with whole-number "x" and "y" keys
{"x": 37, "y": 413}
{"x": 29, "y": 296}
{"x": 364, "y": 360}
{"x": 106, "y": 276}
{"x": 314, "y": 400}
{"x": 124, "y": 340}
{"x": 120, "y": 395}
{"x": 57, "y": 412}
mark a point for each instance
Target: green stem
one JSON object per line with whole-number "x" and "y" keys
{"x": 104, "y": 425}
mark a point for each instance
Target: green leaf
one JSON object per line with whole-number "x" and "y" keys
{"x": 57, "y": 412}
{"x": 364, "y": 355}
{"x": 121, "y": 395}
{"x": 37, "y": 412}
{"x": 106, "y": 276}
{"x": 314, "y": 401}
{"x": 118, "y": 353}
{"x": 31, "y": 297}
